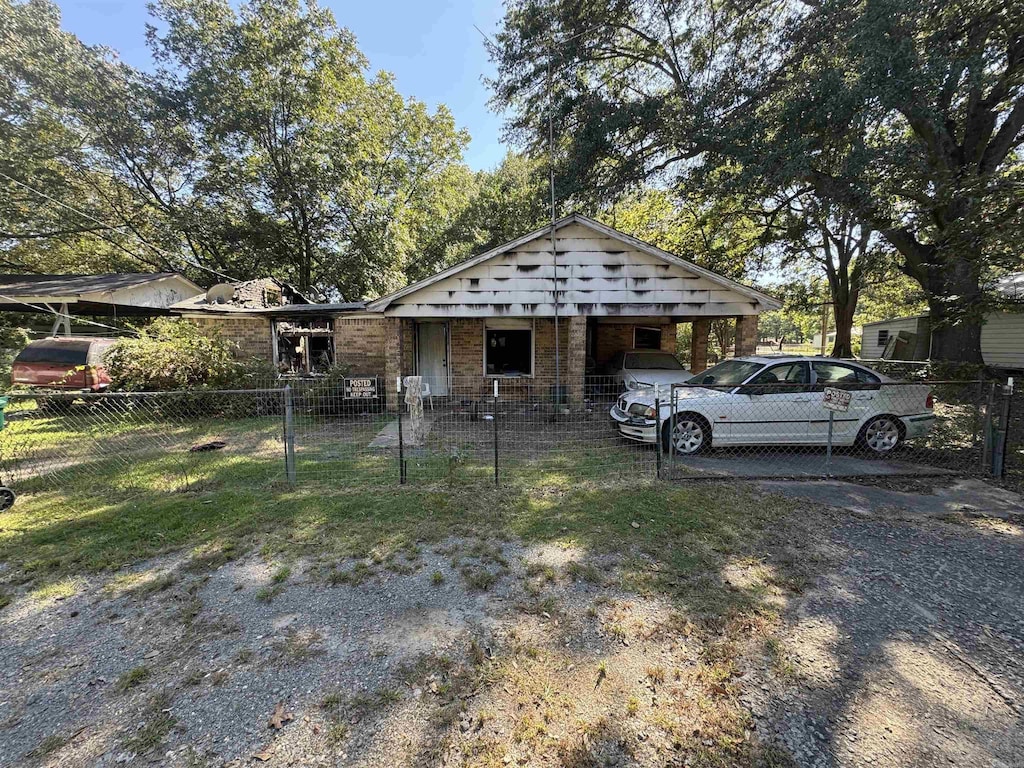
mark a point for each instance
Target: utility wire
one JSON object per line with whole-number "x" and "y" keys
{"x": 170, "y": 257}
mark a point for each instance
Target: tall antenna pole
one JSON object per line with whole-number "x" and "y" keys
{"x": 554, "y": 251}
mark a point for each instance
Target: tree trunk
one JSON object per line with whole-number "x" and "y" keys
{"x": 843, "y": 312}
{"x": 955, "y": 299}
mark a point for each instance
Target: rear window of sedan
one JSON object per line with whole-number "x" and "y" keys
{"x": 660, "y": 362}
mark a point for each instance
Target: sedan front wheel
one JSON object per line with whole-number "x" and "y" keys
{"x": 690, "y": 435}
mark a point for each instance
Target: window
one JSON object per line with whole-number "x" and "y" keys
{"x": 646, "y": 338}
{"x": 56, "y": 352}
{"x": 726, "y": 374}
{"x": 508, "y": 351}
{"x": 304, "y": 345}
{"x": 845, "y": 376}
{"x": 787, "y": 374}
{"x": 883, "y": 337}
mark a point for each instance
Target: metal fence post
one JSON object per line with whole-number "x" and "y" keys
{"x": 289, "y": 435}
{"x": 989, "y": 434}
{"x": 673, "y": 407}
{"x": 657, "y": 428}
{"x": 1002, "y": 427}
{"x": 401, "y": 442}
{"x": 495, "y": 433}
{"x": 828, "y": 451}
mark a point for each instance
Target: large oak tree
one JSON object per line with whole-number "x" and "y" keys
{"x": 908, "y": 114}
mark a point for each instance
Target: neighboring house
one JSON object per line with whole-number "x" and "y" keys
{"x": 111, "y": 295}
{"x": 493, "y": 315}
{"x": 909, "y": 338}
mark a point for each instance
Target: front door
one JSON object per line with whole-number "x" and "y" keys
{"x": 432, "y": 356}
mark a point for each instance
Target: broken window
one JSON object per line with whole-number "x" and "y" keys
{"x": 304, "y": 345}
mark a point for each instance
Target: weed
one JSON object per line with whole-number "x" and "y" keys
{"x": 479, "y": 578}
{"x": 48, "y": 745}
{"x": 158, "y": 723}
{"x": 436, "y": 578}
{"x": 299, "y": 646}
{"x": 632, "y": 706}
{"x": 132, "y": 678}
{"x": 268, "y": 593}
{"x": 578, "y": 571}
{"x": 539, "y": 570}
{"x": 336, "y": 734}
{"x": 656, "y": 675}
{"x": 5, "y": 599}
{"x": 281, "y": 575}
{"x": 58, "y": 590}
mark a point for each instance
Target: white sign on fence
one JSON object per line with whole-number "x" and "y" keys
{"x": 836, "y": 399}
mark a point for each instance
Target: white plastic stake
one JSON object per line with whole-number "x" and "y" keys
{"x": 496, "y": 387}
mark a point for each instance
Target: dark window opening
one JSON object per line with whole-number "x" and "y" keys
{"x": 305, "y": 346}
{"x": 883, "y": 337}
{"x": 509, "y": 352}
{"x": 646, "y": 338}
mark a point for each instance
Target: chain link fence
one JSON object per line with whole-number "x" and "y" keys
{"x": 368, "y": 431}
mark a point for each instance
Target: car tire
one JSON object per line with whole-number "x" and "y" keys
{"x": 881, "y": 435}
{"x": 694, "y": 434}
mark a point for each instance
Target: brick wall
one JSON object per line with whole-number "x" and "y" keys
{"x": 359, "y": 344}
{"x": 615, "y": 337}
{"x": 250, "y": 335}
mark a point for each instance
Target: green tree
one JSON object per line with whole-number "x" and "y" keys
{"x": 907, "y": 114}
{"x": 336, "y": 176}
{"x": 53, "y": 96}
{"x": 498, "y": 206}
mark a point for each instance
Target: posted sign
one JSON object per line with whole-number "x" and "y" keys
{"x": 836, "y": 399}
{"x": 361, "y": 389}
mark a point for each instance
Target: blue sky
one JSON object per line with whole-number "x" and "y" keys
{"x": 430, "y": 45}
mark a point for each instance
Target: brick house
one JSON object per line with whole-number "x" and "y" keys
{"x": 493, "y": 316}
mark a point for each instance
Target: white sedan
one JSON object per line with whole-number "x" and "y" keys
{"x": 778, "y": 401}
{"x": 640, "y": 368}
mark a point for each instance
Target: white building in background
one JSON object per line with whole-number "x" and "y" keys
{"x": 909, "y": 338}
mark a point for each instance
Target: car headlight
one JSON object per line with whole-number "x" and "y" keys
{"x": 648, "y": 412}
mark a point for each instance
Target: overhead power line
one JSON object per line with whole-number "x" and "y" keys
{"x": 170, "y": 257}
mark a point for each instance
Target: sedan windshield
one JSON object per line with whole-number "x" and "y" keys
{"x": 658, "y": 362}
{"x": 726, "y": 374}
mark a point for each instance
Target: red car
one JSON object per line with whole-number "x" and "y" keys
{"x": 63, "y": 363}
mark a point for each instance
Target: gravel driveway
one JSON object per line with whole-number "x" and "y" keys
{"x": 910, "y": 649}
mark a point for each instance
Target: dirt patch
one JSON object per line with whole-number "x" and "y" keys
{"x": 552, "y": 661}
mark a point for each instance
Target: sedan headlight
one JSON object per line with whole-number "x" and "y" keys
{"x": 648, "y": 412}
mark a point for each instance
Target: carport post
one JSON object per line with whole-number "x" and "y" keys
{"x": 289, "y": 435}
{"x": 657, "y": 427}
